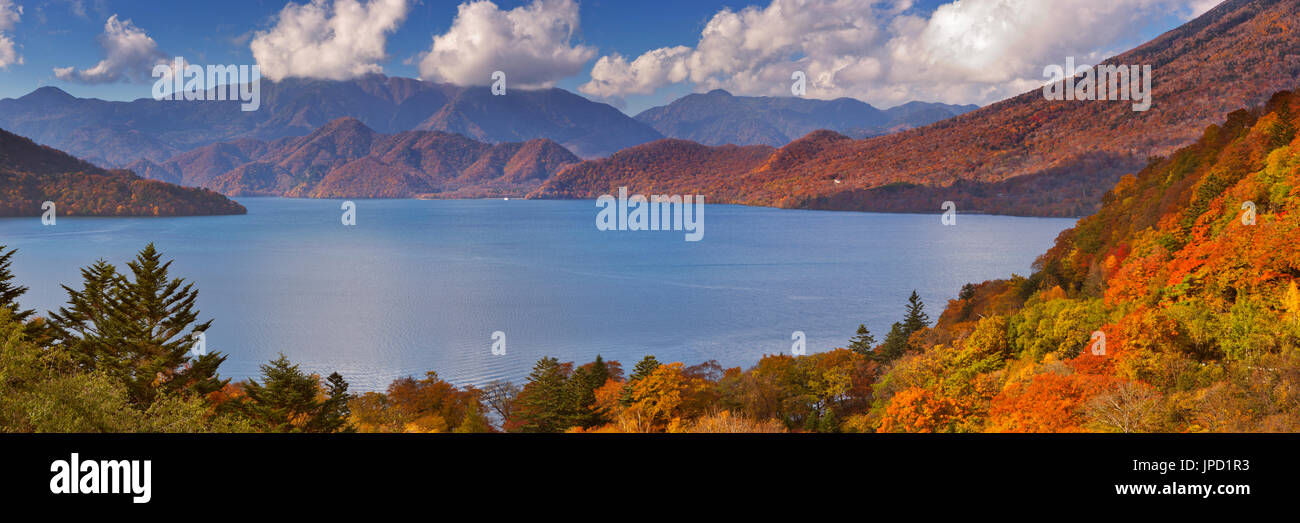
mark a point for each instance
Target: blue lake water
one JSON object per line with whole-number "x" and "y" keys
{"x": 422, "y": 285}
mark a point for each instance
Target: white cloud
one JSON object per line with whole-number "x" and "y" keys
{"x": 129, "y": 54}
{"x": 1199, "y": 7}
{"x": 10, "y": 14}
{"x": 532, "y": 44}
{"x": 614, "y": 76}
{"x": 335, "y": 40}
{"x": 968, "y": 51}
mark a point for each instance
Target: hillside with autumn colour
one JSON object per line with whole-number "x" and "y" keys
{"x": 706, "y": 166}
{"x": 31, "y": 174}
{"x": 1189, "y": 270}
{"x": 1025, "y": 155}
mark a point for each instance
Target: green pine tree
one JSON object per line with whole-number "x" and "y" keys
{"x": 541, "y": 406}
{"x": 916, "y": 318}
{"x": 864, "y": 343}
{"x": 286, "y": 400}
{"x": 581, "y": 393}
{"x": 332, "y": 415}
{"x": 895, "y": 344}
{"x": 9, "y": 293}
{"x": 141, "y": 330}
{"x": 644, "y": 367}
{"x": 898, "y": 341}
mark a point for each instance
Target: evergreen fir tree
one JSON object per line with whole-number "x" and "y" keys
{"x": 89, "y": 326}
{"x": 898, "y": 341}
{"x": 581, "y": 392}
{"x": 542, "y": 403}
{"x": 916, "y": 318}
{"x": 141, "y": 330}
{"x": 644, "y": 367}
{"x": 864, "y": 343}
{"x": 333, "y": 414}
{"x": 287, "y": 400}
{"x": 895, "y": 344}
{"x": 9, "y": 293}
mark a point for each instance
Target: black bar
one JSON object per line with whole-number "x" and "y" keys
{"x": 1073, "y": 472}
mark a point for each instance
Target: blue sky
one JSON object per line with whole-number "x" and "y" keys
{"x": 67, "y": 33}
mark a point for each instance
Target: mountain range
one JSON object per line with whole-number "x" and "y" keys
{"x": 720, "y": 118}
{"x": 119, "y": 134}
{"x": 31, "y": 174}
{"x": 347, "y": 159}
{"x": 1026, "y": 155}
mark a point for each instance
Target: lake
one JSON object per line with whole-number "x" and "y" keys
{"x": 420, "y": 285}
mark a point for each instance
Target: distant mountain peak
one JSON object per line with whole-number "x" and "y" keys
{"x": 718, "y": 92}
{"x": 48, "y": 93}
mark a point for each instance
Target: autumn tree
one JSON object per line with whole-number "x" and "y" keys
{"x": 657, "y": 398}
{"x": 500, "y": 397}
{"x": 475, "y": 420}
{"x": 431, "y": 404}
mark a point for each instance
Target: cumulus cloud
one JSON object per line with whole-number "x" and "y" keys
{"x": 614, "y": 76}
{"x": 968, "y": 51}
{"x": 532, "y": 44}
{"x": 335, "y": 40}
{"x": 10, "y": 14}
{"x": 129, "y": 55}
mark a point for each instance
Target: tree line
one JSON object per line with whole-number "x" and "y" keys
{"x": 123, "y": 355}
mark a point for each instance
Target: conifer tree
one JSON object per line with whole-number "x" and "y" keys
{"x": 864, "y": 343}
{"x": 141, "y": 330}
{"x": 9, "y": 293}
{"x": 898, "y": 341}
{"x": 916, "y": 318}
{"x": 541, "y": 406}
{"x": 581, "y": 393}
{"x": 87, "y": 325}
{"x": 285, "y": 401}
{"x": 644, "y": 367}
{"x": 332, "y": 415}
